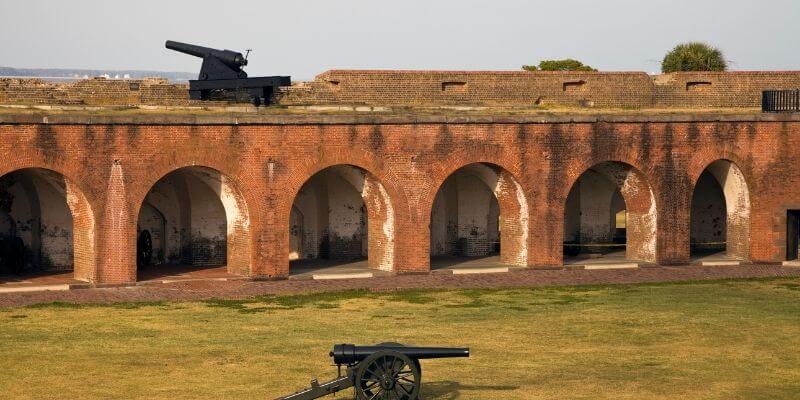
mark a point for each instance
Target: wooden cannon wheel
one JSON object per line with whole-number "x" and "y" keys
{"x": 388, "y": 375}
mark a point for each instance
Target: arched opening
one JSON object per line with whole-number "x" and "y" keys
{"x": 720, "y": 214}
{"x": 192, "y": 222}
{"x": 479, "y": 218}
{"x": 610, "y": 217}
{"x": 341, "y": 223}
{"x": 46, "y": 228}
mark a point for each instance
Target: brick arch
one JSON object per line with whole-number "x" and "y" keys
{"x": 512, "y": 201}
{"x": 701, "y": 160}
{"x": 237, "y": 214}
{"x": 738, "y": 202}
{"x": 578, "y": 166}
{"x": 83, "y": 221}
{"x": 386, "y": 204}
{"x": 439, "y": 172}
{"x": 151, "y": 176}
{"x": 640, "y": 203}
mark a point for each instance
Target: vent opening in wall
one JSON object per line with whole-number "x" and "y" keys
{"x": 697, "y": 86}
{"x": 573, "y": 86}
{"x": 334, "y": 84}
{"x": 134, "y": 86}
{"x": 454, "y": 87}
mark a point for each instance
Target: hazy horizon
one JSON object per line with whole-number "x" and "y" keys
{"x": 305, "y": 38}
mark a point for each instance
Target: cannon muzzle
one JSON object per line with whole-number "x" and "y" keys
{"x": 230, "y": 58}
{"x": 348, "y": 354}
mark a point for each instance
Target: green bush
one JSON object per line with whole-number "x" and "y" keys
{"x": 559, "y": 65}
{"x": 694, "y": 56}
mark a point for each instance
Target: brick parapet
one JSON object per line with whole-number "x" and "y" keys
{"x": 398, "y": 88}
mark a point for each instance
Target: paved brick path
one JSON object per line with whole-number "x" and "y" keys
{"x": 198, "y": 290}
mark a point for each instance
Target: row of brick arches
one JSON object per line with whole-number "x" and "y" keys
{"x": 196, "y": 218}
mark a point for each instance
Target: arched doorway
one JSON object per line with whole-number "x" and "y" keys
{"x": 720, "y": 214}
{"x": 46, "y": 226}
{"x": 193, "y": 219}
{"x": 479, "y": 219}
{"x": 341, "y": 222}
{"x": 610, "y": 217}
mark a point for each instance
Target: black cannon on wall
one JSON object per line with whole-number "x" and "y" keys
{"x": 384, "y": 371}
{"x": 222, "y": 77}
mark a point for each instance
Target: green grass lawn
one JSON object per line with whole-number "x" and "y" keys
{"x": 719, "y": 340}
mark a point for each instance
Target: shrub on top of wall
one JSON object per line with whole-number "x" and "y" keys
{"x": 694, "y": 56}
{"x": 567, "y": 64}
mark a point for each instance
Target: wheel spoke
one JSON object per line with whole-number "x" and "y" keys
{"x": 407, "y": 380}
{"x": 371, "y": 369}
{"x": 371, "y": 385}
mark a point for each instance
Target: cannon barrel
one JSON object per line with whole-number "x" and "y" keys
{"x": 349, "y": 354}
{"x": 231, "y": 58}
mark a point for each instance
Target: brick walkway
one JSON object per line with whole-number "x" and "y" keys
{"x": 207, "y": 289}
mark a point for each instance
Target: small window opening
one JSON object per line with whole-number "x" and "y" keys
{"x": 572, "y": 86}
{"x": 454, "y": 87}
{"x": 697, "y": 86}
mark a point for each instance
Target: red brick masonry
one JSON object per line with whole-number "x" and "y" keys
{"x": 111, "y": 162}
{"x": 683, "y": 90}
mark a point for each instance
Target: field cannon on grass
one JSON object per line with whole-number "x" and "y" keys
{"x": 384, "y": 371}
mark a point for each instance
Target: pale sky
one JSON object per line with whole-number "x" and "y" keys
{"x": 303, "y": 38}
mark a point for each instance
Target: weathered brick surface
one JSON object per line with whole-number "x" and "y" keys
{"x": 112, "y": 167}
{"x": 526, "y": 89}
{"x": 740, "y": 89}
{"x": 96, "y": 92}
{"x": 503, "y": 88}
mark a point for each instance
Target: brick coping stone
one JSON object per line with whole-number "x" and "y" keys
{"x": 100, "y": 118}
{"x": 523, "y": 278}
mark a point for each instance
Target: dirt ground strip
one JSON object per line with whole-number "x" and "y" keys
{"x": 199, "y": 290}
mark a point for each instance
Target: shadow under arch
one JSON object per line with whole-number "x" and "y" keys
{"x": 720, "y": 210}
{"x": 205, "y": 218}
{"x": 50, "y": 218}
{"x": 342, "y": 212}
{"x": 595, "y": 200}
{"x": 476, "y": 208}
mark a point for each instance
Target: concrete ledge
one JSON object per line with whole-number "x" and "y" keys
{"x": 489, "y": 270}
{"x": 612, "y": 266}
{"x": 720, "y": 263}
{"x": 39, "y": 288}
{"x": 356, "y": 275}
{"x": 792, "y": 264}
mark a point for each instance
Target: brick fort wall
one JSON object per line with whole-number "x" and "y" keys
{"x": 687, "y": 90}
{"x": 530, "y": 165}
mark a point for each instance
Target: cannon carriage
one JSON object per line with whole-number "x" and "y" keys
{"x": 384, "y": 371}
{"x": 222, "y": 76}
